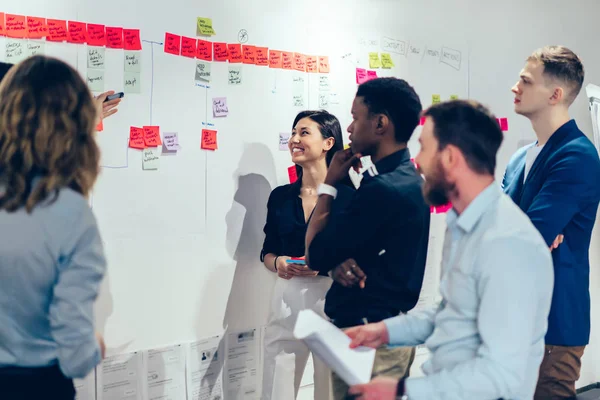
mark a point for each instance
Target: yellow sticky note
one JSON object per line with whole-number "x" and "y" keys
{"x": 346, "y": 146}
{"x": 436, "y": 98}
{"x": 453, "y": 97}
{"x": 204, "y": 27}
{"x": 386, "y": 60}
{"x": 374, "y": 61}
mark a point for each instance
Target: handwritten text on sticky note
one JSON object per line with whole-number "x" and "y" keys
{"x": 209, "y": 140}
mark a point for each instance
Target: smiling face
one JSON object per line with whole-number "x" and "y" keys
{"x": 307, "y": 143}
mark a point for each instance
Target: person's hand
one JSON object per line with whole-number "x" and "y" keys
{"x": 349, "y": 274}
{"x": 370, "y": 335}
{"x": 341, "y": 163}
{"x": 110, "y": 107}
{"x": 380, "y": 388}
{"x": 288, "y": 271}
{"x": 102, "y": 345}
{"x": 559, "y": 239}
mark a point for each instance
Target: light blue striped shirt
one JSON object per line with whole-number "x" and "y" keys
{"x": 486, "y": 337}
{"x": 51, "y": 266}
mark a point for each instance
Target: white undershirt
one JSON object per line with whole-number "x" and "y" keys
{"x": 532, "y": 154}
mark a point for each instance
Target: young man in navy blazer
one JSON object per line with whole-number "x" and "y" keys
{"x": 555, "y": 181}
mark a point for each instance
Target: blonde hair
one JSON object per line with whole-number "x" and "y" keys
{"x": 562, "y": 64}
{"x": 47, "y": 125}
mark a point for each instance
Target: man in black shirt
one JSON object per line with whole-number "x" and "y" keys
{"x": 376, "y": 248}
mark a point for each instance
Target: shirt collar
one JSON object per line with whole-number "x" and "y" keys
{"x": 389, "y": 163}
{"x": 469, "y": 218}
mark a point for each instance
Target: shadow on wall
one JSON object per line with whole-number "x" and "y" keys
{"x": 250, "y": 295}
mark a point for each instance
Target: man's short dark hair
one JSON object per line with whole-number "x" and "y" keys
{"x": 562, "y": 64}
{"x": 4, "y": 67}
{"x": 395, "y": 98}
{"x": 472, "y": 128}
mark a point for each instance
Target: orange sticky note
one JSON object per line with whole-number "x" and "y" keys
{"x": 77, "y": 32}
{"x": 96, "y": 36}
{"x": 188, "y": 47}
{"x": 209, "y": 140}
{"x": 312, "y": 64}
{"x": 152, "y": 136}
{"x": 100, "y": 126}
{"x": 299, "y": 62}
{"x": 131, "y": 39}
{"x": 235, "y": 53}
{"x": 2, "y": 30}
{"x": 249, "y": 54}
{"x": 15, "y": 26}
{"x": 57, "y": 30}
{"x": 262, "y": 56}
{"x": 36, "y": 27}
{"x": 324, "y": 64}
{"x": 204, "y": 50}
{"x": 114, "y": 37}
{"x": 275, "y": 59}
{"x": 136, "y": 138}
{"x": 287, "y": 60}
{"x": 221, "y": 52}
{"x": 172, "y": 44}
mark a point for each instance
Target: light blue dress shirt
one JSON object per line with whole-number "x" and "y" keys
{"x": 486, "y": 337}
{"x": 51, "y": 266}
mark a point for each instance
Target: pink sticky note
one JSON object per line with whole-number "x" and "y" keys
{"x": 371, "y": 75}
{"x": 504, "y": 124}
{"x": 443, "y": 209}
{"x": 422, "y": 121}
{"x": 361, "y": 75}
{"x": 292, "y": 174}
{"x": 284, "y": 138}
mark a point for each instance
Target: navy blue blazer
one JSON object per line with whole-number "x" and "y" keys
{"x": 561, "y": 196}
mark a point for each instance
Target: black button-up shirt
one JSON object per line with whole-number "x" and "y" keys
{"x": 385, "y": 229}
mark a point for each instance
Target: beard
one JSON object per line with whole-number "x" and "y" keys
{"x": 437, "y": 189}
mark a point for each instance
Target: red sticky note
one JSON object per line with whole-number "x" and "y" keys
{"x": 504, "y": 124}
{"x": 136, "y": 138}
{"x": 15, "y": 26}
{"x": 287, "y": 60}
{"x": 292, "y": 174}
{"x": 249, "y": 54}
{"x": 275, "y": 59}
{"x": 172, "y": 44}
{"x": 371, "y": 75}
{"x": 131, "y": 39}
{"x": 312, "y": 64}
{"x": 299, "y": 62}
{"x": 96, "y": 35}
{"x": 57, "y": 30}
{"x": 361, "y": 75}
{"x": 188, "y": 47}
{"x": 324, "y": 64}
{"x": 36, "y": 27}
{"x": 235, "y": 53}
{"x": 262, "y": 56}
{"x": 443, "y": 209}
{"x": 204, "y": 50}
{"x": 114, "y": 37}
{"x": 2, "y": 30}
{"x": 422, "y": 121}
{"x": 221, "y": 52}
{"x": 100, "y": 126}
{"x": 77, "y": 32}
{"x": 152, "y": 136}
{"x": 209, "y": 140}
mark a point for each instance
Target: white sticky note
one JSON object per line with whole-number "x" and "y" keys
{"x": 15, "y": 50}
{"x": 298, "y": 91}
{"x": 203, "y": 71}
{"x": 150, "y": 158}
{"x": 35, "y": 47}
{"x": 95, "y": 80}
{"x": 235, "y": 75}
{"x": 220, "y": 108}
{"x": 132, "y": 83}
{"x": 171, "y": 141}
{"x": 284, "y": 138}
{"x": 324, "y": 83}
{"x": 323, "y": 100}
{"x": 133, "y": 61}
{"x": 95, "y": 57}
{"x": 334, "y": 98}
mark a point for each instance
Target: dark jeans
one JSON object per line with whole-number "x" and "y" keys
{"x": 35, "y": 384}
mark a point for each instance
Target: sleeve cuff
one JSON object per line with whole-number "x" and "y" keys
{"x": 397, "y": 330}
